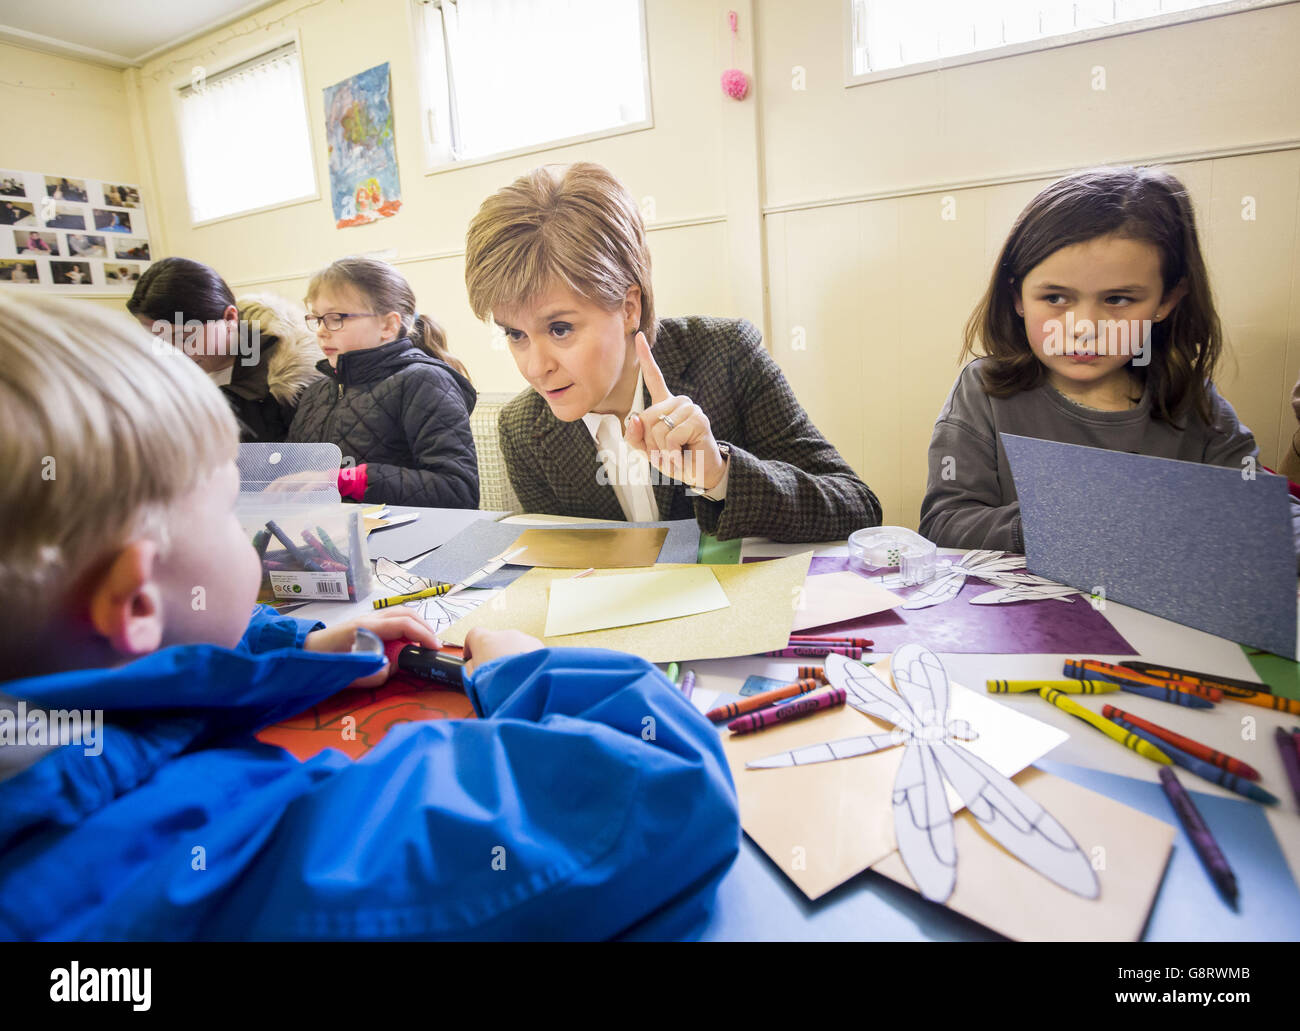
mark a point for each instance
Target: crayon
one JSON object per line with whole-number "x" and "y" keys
{"x": 1064, "y": 686}
{"x": 330, "y": 546}
{"x": 813, "y": 672}
{"x": 847, "y": 642}
{"x": 436, "y": 591}
{"x": 1084, "y": 669}
{"x": 1210, "y": 755}
{"x": 260, "y": 540}
{"x": 322, "y": 554}
{"x": 1112, "y": 730}
{"x": 1269, "y": 701}
{"x": 1212, "y": 858}
{"x": 688, "y": 683}
{"x": 1170, "y": 695}
{"x": 298, "y": 555}
{"x": 1290, "y": 760}
{"x": 1228, "y": 685}
{"x": 784, "y": 713}
{"x": 671, "y": 673}
{"x": 761, "y": 701}
{"x": 1206, "y": 771}
{"x": 814, "y": 651}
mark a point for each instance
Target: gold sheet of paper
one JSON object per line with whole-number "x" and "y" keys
{"x": 840, "y": 812}
{"x": 601, "y": 603}
{"x": 762, "y": 597}
{"x": 603, "y": 548}
{"x": 824, "y": 823}
{"x": 1129, "y": 851}
{"x": 835, "y": 597}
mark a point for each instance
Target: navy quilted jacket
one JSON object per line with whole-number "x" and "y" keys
{"x": 403, "y": 413}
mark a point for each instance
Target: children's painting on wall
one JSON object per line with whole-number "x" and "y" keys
{"x": 363, "y": 162}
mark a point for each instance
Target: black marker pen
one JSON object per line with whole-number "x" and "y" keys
{"x": 432, "y": 664}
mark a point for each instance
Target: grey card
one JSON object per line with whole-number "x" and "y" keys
{"x": 1206, "y": 546}
{"x": 432, "y": 528}
{"x": 482, "y": 541}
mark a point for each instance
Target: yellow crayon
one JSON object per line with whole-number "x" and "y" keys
{"x": 1111, "y": 729}
{"x": 401, "y": 599}
{"x": 1064, "y": 686}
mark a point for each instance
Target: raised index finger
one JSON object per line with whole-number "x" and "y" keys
{"x": 654, "y": 379}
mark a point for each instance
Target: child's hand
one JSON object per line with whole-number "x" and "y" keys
{"x": 485, "y": 645}
{"x": 388, "y": 624}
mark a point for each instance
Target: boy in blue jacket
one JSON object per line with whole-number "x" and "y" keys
{"x": 591, "y": 801}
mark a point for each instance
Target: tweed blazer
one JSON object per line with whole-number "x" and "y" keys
{"x": 785, "y": 481}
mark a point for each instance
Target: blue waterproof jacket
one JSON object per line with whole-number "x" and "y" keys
{"x": 592, "y": 801}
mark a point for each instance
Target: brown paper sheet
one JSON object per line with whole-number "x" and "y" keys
{"x": 824, "y": 823}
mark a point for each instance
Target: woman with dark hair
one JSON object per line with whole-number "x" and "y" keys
{"x": 257, "y": 349}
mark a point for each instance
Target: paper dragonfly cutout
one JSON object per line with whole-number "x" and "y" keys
{"x": 439, "y": 613}
{"x": 922, "y": 821}
{"x": 1005, "y": 571}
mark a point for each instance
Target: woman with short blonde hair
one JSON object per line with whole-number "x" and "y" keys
{"x": 630, "y": 416}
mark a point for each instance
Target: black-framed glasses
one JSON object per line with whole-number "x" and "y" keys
{"x": 334, "y": 319}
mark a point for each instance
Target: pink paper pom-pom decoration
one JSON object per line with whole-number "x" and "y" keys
{"x": 735, "y": 84}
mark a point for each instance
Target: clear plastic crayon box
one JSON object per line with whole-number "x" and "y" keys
{"x": 312, "y": 545}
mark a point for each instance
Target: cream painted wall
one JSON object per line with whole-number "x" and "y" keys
{"x": 880, "y": 285}
{"x": 815, "y": 212}
{"x": 65, "y": 116}
{"x": 679, "y": 163}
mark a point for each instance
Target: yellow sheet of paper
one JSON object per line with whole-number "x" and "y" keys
{"x": 824, "y": 823}
{"x": 762, "y": 597}
{"x": 602, "y": 547}
{"x": 835, "y": 597}
{"x": 600, "y": 603}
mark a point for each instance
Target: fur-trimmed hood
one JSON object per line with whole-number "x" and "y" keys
{"x": 291, "y": 364}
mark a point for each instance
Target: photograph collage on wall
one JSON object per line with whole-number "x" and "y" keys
{"x": 75, "y": 234}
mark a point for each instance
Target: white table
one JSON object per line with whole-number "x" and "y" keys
{"x": 1155, "y": 638}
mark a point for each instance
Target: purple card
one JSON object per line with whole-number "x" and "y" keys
{"x": 1047, "y": 627}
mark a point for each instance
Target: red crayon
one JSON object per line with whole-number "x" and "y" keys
{"x": 787, "y": 712}
{"x": 847, "y": 642}
{"x": 1210, "y": 755}
{"x": 817, "y": 651}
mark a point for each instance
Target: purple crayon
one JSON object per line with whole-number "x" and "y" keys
{"x": 1286, "y": 745}
{"x": 794, "y": 710}
{"x": 1202, "y": 840}
{"x": 688, "y": 683}
{"x": 814, "y": 651}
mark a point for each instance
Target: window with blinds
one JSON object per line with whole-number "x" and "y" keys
{"x": 245, "y": 138}
{"x": 503, "y": 76}
{"x": 902, "y": 36}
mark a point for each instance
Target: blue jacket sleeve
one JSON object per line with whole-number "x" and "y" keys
{"x": 591, "y": 798}
{"x": 268, "y": 630}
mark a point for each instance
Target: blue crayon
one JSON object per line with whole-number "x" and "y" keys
{"x": 295, "y": 552}
{"x": 1201, "y": 768}
{"x": 1169, "y": 694}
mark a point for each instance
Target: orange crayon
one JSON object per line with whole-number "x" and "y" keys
{"x": 762, "y": 701}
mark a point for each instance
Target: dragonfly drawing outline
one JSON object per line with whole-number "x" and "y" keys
{"x": 932, "y": 755}
{"x": 995, "y": 567}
